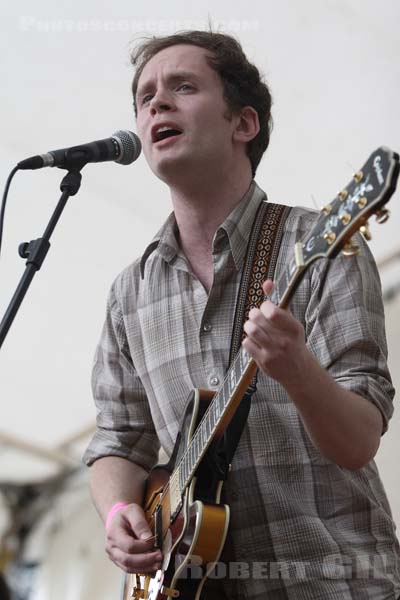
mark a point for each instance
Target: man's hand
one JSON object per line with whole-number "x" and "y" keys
{"x": 276, "y": 340}
{"x": 130, "y": 543}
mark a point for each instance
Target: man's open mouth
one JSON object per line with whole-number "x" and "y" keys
{"x": 164, "y": 132}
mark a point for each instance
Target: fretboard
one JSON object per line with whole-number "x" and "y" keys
{"x": 231, "y": 391}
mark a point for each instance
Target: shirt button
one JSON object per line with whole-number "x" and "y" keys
{"x": 214, "y": 380}
{"x": 207, "y": 327}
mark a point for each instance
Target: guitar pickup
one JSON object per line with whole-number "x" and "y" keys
{"x": 158, "y": 529}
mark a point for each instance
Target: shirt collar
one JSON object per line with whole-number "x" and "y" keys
{"x": 235, "y": 231}
{"x": 236, "y": 228}
{"x": 165, "y": 242}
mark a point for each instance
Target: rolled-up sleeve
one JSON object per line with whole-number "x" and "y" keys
{"x": 345, "y": 326}
{"x": 124, "y": 423}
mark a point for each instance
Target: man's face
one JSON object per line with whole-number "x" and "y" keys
{"x": 182, "y": 117}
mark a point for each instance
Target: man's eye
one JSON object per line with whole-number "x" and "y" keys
{"x": 146, "y": 98}
{"x": 185, "y": 87}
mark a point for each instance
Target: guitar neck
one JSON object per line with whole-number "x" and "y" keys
{"x": 227, "y": 398}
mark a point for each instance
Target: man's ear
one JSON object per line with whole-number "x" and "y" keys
{"x": 248, "y": 125}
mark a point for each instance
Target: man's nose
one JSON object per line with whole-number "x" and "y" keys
{"x": 161, "y": 102}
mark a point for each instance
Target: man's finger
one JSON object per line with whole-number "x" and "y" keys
{"x": 268, "y": 286}
{"x": 137, "y": 520}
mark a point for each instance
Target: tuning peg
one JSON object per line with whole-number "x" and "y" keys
{"x": 327, "y": 209}
{"x": 351, "y": 249}
{"x": 358, "y": 176}
{"x": 343, "y": 195}
{"x": 361, "y": 202}
{"x": 382, "y": 215}
{"x": 365, "y": 232}
{"x": 330, "y": 237}
{"x": 345, "y": 218}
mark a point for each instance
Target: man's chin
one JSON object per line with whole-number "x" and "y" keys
{"x": 171, "y": 168}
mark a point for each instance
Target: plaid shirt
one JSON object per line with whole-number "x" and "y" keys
{"x": 301, "y": 526}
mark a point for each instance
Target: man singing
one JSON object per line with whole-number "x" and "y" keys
{"x": 306, "y": 501}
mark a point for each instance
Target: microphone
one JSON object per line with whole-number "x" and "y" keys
{"x": 123, "y": 147}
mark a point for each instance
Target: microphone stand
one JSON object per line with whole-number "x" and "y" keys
{"x": 35, "y": 251}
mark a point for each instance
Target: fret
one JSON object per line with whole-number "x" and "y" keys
{"x": 215, "y": 408}
{"x": 183, "y": 465}
{"x": 192, "y": 457}
{"x": 240, "y": 358}
{"x": 226, "y": 391}
{"x": 232, "y": 379}
{"x": 221, "y": 402}
{"x": 215, "y": 413}
{"x": 175, "y": 491}
{"x": 181, "y": 478}
{"x": 188, "y": 462}
{"x": 186, "y": 469}
{"x": 215, "y": 420}
{"x": 211, "y": 418}
{"x": 197, "y": 441}
{"x": 284, "y": 280}
{"x": 245, "y": 356}
{"x": 292, "y": 267}
{"x": 194, "y": 454}
{"x": 238, "y": 370}
{"x": 203, "y": 437}
{"x": 207, "y": 429}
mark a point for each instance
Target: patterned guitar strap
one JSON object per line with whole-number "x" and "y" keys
{"x": 260, "y": 263}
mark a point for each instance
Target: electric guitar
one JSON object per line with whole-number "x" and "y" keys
{"x": 183, "y": 498}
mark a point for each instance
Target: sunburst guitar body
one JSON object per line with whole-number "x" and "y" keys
{"x": 190, "y": 529}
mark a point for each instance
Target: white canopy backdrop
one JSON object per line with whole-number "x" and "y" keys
{"x": 65, "y": 79}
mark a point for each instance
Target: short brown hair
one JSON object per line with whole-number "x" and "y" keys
{"x": 241, "y": 80}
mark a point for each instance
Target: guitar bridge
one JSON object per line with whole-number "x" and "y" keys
{"x": 166, "y": 591}
{"x": 137, "y": 592}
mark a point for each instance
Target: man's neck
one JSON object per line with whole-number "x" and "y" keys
{"x": 199, "y": 211}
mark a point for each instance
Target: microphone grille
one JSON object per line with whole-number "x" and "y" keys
{"x": 130, "y": 146}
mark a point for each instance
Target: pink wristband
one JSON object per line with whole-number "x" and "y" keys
{"x": 114, "y": 509}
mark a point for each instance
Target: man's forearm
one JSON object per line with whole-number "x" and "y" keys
{"x": 114, "y": 479}
{"x": 344, "y": 426}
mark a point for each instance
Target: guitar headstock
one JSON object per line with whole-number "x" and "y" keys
{"x": 367, "y": 194}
